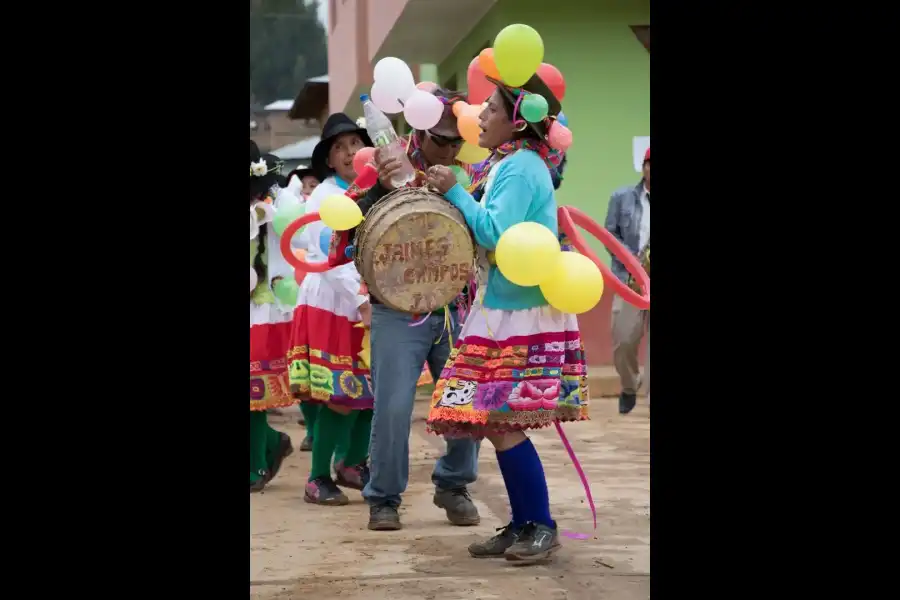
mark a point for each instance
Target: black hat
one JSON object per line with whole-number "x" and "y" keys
{"x": 535, "y": 85}
{"x": 336, "y": 125}
{"x": 265, "y": 172}
{"x": 301, "y": 172}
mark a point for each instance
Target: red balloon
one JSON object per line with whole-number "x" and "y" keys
{"x": 362, "y": 158}
{"x": 554, "y": 80}
{"x": 366, "y": 176}
{"x": 480, "y": 89}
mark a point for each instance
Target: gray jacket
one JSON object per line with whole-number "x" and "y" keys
{"x": 623, "y": 220}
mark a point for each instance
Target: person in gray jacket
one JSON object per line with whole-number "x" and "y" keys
{"x": 628, "y": 219}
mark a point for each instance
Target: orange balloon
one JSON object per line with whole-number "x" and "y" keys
{"x": 487, "y": 64}
{"x": 468, "y": 126}
{"x": 459, "y": 108}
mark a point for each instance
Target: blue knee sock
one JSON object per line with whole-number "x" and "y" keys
{"x": 526, "y": 484}
{"x": 507, "y": 469}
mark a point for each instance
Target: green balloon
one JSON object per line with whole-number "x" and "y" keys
{"x": 461, "y": 177}
{"x": 286, "y": 291}
{"x": 534, "y": 108}
{"x": 287, "y": 214}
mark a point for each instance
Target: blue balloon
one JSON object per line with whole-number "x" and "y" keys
{"x": 325, "y": 240}
{"x": 562, "y": 118}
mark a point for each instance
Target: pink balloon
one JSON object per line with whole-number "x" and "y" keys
{"x": 423, "y": 110}
{"x": 427, "y": 86}
{"x": 480, "y": 89}
{"x": 363, "y": 157}
{"x": 560, "y": 136}
{"x": 385, "y": 101}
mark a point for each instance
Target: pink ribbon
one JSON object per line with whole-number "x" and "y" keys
{"x": 587, "y": 488}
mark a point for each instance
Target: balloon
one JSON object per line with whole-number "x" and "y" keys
{"x": 559, "y": 136}
{"x": 472, "y": 154}
{"x": 574, "y": 284}
{"x": 340, "y": 212}
{"x": 288, "y": 211}
{"x": 254, "y": 279}
{"x": 526, "y": 252}
{"x": 423, "y": 110}
{"x": 366, "y": 178}
{"x": 393, "y": 77}
{"x": 487, "y": 64}
{"x": 554, "y": 80}
{"x": 533, "y": 108}
{"x": 325, "y": 240}
{"x": 562, "y": 118}
{"x": 298, "y": 274}
{"x": 362, "y": 158}
{"x": 426, "y": 86}
{"x": 518, "y": 52}
{"x": 385, "y": 100}
{"x": 459, "y": 108}
{"x": 467, "y": 123}
{"x": 480, "y": 89}
{"x": 462, "y": 178}
{"x": 286, "y": 291}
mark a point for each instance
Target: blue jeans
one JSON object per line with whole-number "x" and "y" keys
{"x": 398, "y": 353}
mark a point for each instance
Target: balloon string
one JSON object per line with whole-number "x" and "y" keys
{"x": 448, "y": 326}
{"x": 417, "y": 323}
{"x": 584, "y": 482}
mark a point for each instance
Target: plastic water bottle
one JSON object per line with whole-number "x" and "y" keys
{"x": 383, "y": 136}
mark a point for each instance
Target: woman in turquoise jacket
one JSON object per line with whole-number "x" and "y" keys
{"x": 519, "y": 363}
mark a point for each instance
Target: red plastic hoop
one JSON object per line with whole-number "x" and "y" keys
{"x": 569, "y": 217}
{"x": 289, "y": 232}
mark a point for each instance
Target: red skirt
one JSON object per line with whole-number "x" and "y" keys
{"x": 269, "y": 387}
{"x": 324, "y": 362}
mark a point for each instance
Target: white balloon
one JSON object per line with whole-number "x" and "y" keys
{"x": 393, "y": 76}
{"x": 385, "y": 102}
{"x": 423, "y": 110}
{"x": 253, "y": 279}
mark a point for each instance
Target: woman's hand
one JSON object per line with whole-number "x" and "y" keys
{"x": 365, "y": 312}
{"x": 387, "y": 167}
{"x": 441, "y": 178}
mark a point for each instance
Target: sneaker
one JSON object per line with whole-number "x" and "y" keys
{"x": 283, "y": 450}
{"x": 323, "y": 490}
{"x": 458, "y": 505}
{"x": 626, "y": 402}
{"x": 352, "y": 477}
{"x": 496, "y": 546}
{"x": 306, "y": 444}
{"x": 384, "y": 518}
{"x": 536, "y": 542}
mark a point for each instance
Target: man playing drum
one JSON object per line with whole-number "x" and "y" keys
{"x": 398, "y": 352}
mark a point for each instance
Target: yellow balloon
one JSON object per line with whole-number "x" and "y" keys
{"x": 574, "y": 284}
{"x": 471, "y": 154}
{"x": 526, "y": 252}
{"x": 340, "y": 212}
{"x": 518, "y": 52}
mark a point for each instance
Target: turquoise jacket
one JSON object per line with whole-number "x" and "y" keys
{"x": 519, "y": 188}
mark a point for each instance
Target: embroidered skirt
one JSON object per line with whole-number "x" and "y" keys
{"x": 270, "y": 330}
{"x": 511, "y": 370}
{"x": 324, "y": 357}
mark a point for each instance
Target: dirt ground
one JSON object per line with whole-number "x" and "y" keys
{"x": 299, "y": 550}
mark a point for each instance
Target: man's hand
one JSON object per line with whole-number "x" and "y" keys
{"x": 387, "y": 167}
{"x": 365, "y": 312}
{"x": 441, "y": 178}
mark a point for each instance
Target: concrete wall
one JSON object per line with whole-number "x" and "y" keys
{"x": 607, "y": 73}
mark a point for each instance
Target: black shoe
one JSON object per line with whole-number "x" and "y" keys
{"x": 536, "y": 543}
{"x": 458, "y": 505}
{"x": 384, "y": 518}
{"x": 626, "y": 402}
{"x": 496, "y": 546}
{"x": 283, "y": 450}
{"x": 324, "y": 491}
{"x": 352, "y": 477}
{"x": 306, "y": 444}
{"x": 259, "y": 484}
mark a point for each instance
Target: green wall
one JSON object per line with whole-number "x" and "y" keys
{"x": 607, "y": 73}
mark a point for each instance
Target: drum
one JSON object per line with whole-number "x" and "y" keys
{"x": 414, "y": 251}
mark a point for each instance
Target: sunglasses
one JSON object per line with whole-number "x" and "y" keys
{"x": 444, "y": 141}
